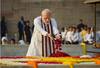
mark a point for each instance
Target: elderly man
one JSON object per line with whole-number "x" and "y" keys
{"x": 45, "y": 28}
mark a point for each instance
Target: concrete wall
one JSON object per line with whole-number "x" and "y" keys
{"x": 66, "y": 12}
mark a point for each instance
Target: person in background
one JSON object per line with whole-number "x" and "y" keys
{"x": 21, "y": 26}
{"x": 80, "y": 25}
{"x": 3, "y": 27}
{"x": 12, "y": 41}
{"x": 68, "y": 37}
{"x": 92, "y": 32}
{"x": 96, "y": 37}
{"x": 45, "y": 30}
{"x": 63, "y": 33}
{"x": 83, "y": 32}
{"x": 27, "y": 31}
{"x": 4, "y": 40}
{"x": 76, "y": 38}
{"x": 88, "y": 37}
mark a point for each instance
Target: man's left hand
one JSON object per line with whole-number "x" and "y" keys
{"x": 58, "y": 36}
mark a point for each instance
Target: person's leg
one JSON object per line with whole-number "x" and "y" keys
{"x": 20, "y": 35}
{"x": 68, "y": 42}
{"x": 76, "y": 42}
{"x": 27, "y": 38}
{"x": 2, "y": 35}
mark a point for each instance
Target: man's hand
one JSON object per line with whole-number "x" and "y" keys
{"x": 49, "y": 35}
{"x": 58, "y": 36}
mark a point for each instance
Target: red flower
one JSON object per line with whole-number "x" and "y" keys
{"x": 59, "y": 54}
{"x": 57, "y": 43}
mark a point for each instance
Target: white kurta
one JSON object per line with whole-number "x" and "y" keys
{"x": 68, "y": 36}
{"x": 88, "y": 37}
{"x": 35, "y": 47}
{"x": 76, "y": 37}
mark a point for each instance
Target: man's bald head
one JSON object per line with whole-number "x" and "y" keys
{"x": 46, "y": 12}
{"x": 46, "y": 15}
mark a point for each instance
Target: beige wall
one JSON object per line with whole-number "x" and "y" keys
{"x": 66, "y": 12}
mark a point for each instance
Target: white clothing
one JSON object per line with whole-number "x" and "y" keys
{"x": 21, "y": 42}
{"x": 4, "y": 40}
{"x": 69, "y": 36}
{"x": 63, "y": 34}
{"x": 88, "y": 37}
{"x": 76, "y": 37}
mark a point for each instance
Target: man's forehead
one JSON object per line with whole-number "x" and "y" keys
{"x": 46, "y": 13}
{"x": 46, "y": 16}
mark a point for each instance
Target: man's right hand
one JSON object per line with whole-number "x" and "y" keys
{"x": 49, "y": 35}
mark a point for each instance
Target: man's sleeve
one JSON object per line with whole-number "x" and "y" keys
{"x": 37, "y": 24}
{"x": 55, "y": 29}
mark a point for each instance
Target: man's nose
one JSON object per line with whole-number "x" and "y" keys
{"x": 47, "y": 20}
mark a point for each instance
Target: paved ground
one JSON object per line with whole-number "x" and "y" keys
{"x": 16, "y": 50}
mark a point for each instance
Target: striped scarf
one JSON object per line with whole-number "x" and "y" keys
{"x": 47, "y": 43}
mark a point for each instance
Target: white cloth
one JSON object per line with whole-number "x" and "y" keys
{"x": 76, "y": 37}
{"x": 4, "y": 40}
{"x": 88, "y": 37}
{"x": 63, "y": 34}
{"x": 35, "y": 47}
{"x": 21, "y": 42}
{"x": 69, "y": 36}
